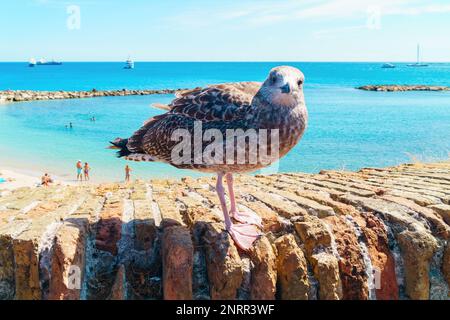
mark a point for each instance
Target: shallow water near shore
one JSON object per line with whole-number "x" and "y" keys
{"x": 348, "y": 129}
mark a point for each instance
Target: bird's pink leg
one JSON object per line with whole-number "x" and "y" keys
{"x": 243, "y": 234}
{"x": 244, "y": 217}
{"x": 221, "y": 193}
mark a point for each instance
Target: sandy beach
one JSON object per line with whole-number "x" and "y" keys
{"x": 17, "y": 179}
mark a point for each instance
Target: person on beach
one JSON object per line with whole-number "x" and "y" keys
{"x": 127, "y": 173}
{"x": 46, "y": 180}
{"x": 86, "y": 171}
{"x": 79, "y": 171}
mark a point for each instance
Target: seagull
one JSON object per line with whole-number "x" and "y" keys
{"x": 245, "y": 109}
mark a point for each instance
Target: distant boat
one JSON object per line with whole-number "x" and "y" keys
{"x": 388, "y": 66}
{"x": 418, "y": 63}
{"x": 42, "y": 62}
{"x": 129, "y": 64}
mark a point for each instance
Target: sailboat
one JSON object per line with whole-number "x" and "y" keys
{"x": 418, "y": 63}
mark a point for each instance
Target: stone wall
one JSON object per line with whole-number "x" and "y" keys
{"x": 372, "y": 234}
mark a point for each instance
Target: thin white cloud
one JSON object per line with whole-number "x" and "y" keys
{"x": 59, "y": 3}
{"x": 331, "y": 32}
{"x": 437, "y": 8}
{"x": 272, "y": 12}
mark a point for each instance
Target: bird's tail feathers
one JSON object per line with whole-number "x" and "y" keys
{"x": 121, "y": 145}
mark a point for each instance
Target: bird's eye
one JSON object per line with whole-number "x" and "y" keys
{"x": 273, "y": 79}
{"x": 300, "y": 82}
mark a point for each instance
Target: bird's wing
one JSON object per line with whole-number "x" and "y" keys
{"x": 134, "y": 143}
{"x": 223, "y": 102}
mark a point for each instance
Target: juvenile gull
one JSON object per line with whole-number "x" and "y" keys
{"x": 276, "y": 105}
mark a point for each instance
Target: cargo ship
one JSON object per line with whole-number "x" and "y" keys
{"x": 42, "y": 62}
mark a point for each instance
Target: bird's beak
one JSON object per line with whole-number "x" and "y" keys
{"x": 286, "y": 88}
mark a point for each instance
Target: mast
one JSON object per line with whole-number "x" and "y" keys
{"x": 418, "y": 53}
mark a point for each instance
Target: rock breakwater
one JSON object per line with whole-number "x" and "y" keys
{"x": 396, "y": 87}
{"x": 8, "y": 96}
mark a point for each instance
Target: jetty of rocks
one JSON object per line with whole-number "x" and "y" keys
{"x": 396, "y": 87}
{"x": 379, "y": 233}
{"x": 31, "y": 95}
{"x": 8, "y": 96}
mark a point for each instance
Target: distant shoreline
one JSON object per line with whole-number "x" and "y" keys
{"x": 397, "y": 87}
{"x": 25, "y": 62}
{"x": 8, "y": 96}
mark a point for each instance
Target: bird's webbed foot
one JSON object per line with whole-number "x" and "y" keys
{"x": 247, "y": 218}
{"x": 243, "y": 234}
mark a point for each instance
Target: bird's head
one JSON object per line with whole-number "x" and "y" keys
{"x": 283, "y": 86}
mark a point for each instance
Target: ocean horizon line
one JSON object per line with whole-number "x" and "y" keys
{"x": 218, "y": 61}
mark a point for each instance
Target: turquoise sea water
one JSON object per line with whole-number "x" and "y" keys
{"x": 347, "y": 129}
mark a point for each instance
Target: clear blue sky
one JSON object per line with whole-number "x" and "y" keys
{"x": 219, "y": 30}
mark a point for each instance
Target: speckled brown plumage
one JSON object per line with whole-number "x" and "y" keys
{"x": 248, "y": 109}
{"x": 243, "y": 105}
